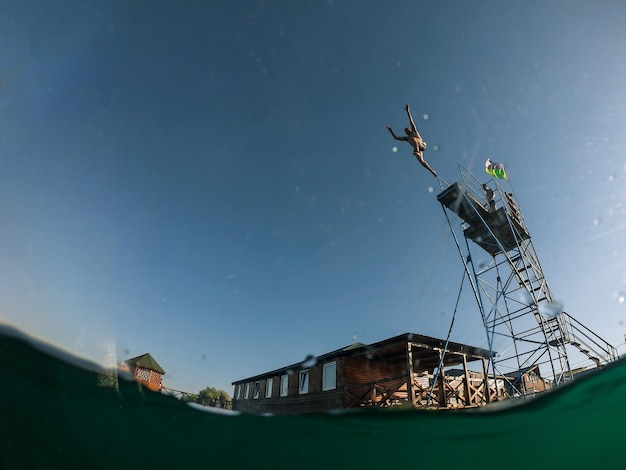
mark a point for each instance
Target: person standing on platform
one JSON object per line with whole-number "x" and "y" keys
{"x": 491, "y": 198}
{"x": 414, "y": 139}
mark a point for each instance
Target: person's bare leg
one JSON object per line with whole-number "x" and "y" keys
{"x": 426, "y": 165}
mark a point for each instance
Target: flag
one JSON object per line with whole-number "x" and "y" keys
{"x": 496, "y": 170}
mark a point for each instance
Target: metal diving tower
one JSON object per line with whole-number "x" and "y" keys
{"x": 525, "y": 325}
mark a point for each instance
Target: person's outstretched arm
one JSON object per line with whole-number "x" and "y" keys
{"x": 394, "y": 134}
{"x": 413, "y": 126}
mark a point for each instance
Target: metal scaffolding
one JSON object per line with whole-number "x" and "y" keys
{"x": 525, "y": 325}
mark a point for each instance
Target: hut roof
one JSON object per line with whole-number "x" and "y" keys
{"x": 146, "y": 361}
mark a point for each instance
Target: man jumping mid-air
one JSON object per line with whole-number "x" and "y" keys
{"x": 415, "y": 140}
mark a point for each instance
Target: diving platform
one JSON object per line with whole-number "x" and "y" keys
{"x": 493, "y": 231}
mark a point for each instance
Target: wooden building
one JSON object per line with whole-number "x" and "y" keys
{"x": 146, "y": 371}
{"x": 528, "y": 380}
{"x": 403, "y": 370}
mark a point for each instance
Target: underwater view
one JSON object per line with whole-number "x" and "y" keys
{"x": 314, "y": 234}
{"x": 55, "y": 415}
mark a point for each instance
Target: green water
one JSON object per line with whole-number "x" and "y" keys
{"x": 54, "y": 415}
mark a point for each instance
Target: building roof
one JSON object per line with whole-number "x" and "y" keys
{"x": 425, "y": 352}
{"x": 461, "y": 373}
{"x": 146, "y": 361}
{"x": 523, "y": 371}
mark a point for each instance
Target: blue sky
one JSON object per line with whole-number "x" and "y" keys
{"x": 213, "y": 183}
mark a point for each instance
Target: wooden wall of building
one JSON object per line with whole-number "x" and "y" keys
{"x": 367, "y": 378}
{"x": 534, "y": 383}
{"x": 361, "y": 369}
{"x": 316, "y": 400}
{"x": 150, "y": 378}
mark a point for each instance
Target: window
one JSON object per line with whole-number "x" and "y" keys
{"x": 255, "y": 394}
{"x": 284, "y": 385}
{"x": 304, "y": 381}
{"x": 238, "y": 392}
{"x": 269, "y": 383}
{"x": 329, "y": 376}
{"x": 247, "y": 391}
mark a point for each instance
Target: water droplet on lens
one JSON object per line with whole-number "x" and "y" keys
{"x": 525, "y": 298}
{"x": 550, "y": 309}
{"x": 309, "y": 361}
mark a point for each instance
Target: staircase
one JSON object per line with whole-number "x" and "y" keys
{"x": 560, "y": 328}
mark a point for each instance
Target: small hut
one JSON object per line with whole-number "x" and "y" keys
{"x": 146, "y": 371}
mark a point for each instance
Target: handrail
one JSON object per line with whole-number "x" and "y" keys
{"x": 609, "y": 351}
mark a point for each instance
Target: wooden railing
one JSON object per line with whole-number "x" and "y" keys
{"x": 392, "y": 391}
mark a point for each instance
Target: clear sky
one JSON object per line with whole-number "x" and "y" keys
{"x": 213, "y": 183}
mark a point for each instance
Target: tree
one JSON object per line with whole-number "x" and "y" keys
{"x": 211, "y": 396}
